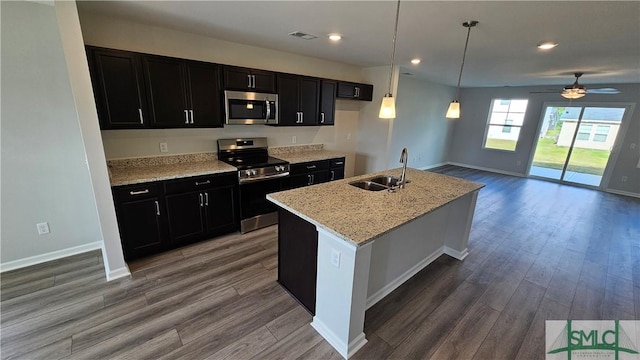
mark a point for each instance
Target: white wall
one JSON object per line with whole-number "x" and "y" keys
{"x": 466, "y": 147}
{"x": 121, "y": 34}
{"x": 44, "y": 169}
{"x": 421, "y": 125}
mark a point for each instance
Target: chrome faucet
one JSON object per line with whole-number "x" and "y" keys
{"x": 404, "y": 158}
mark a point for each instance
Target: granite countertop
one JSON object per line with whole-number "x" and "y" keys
{"x": 305, "y": 156}
{"x": 140, "y": 170}
{"x": 359, "y": 216}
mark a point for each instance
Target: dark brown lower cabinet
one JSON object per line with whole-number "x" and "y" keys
{"x": 297, "y": 258}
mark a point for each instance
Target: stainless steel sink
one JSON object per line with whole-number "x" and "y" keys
{"x": 378, "y": 183}
{"x": 368, "y": 185}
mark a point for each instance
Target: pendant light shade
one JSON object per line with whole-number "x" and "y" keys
{"x": 388, "y": 106}
{"x": 454, "y": 108}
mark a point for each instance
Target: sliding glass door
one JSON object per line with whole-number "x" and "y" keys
{"x": 575, "y": 143}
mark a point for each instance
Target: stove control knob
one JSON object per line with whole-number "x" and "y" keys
{"x": 253, "y": 172}
{"x": 278, "y": 168}
{"x": 248, "y": 173}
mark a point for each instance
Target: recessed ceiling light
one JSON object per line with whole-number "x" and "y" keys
{"x": 546, "y": 45}
{"x": 335, "y": 37}
{"x": 415, "y": 61}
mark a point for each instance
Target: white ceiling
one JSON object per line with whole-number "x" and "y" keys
{"x": 599, "y": 38}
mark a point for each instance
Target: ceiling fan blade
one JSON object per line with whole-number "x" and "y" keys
{"x": 605, "y": 91}
{"x": 548, "y": 91}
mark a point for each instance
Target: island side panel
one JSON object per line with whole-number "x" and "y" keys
{"x": 297, "y": 258}
{"x": 459, "y": 225}
{"x": 403, "y": 252}
{"x": 341, "y": 292}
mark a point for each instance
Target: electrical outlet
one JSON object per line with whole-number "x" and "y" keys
{"x": 632, "y": 146}
{"x": 43, "y": 228}
{"x": 293, "y": 140}
{"x": 624, "y": 179}
{"x": 335, "y": 258}
{"x": 348, "y": 136}
{"x": 163, "y": 147}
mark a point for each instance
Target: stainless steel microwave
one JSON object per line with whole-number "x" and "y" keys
{"x": 248, "y": 108}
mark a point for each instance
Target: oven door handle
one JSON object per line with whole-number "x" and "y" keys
{"x": 264, "y": 178}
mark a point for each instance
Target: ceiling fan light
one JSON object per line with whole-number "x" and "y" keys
{"x": 388, "y": 107}
{"x": 454, "y": 110}
{"x": 546, "y": 45}
{"x": 573, "y": 93}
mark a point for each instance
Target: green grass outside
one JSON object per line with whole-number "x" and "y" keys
{"x": 551, "y": 156}
{"x": 586, "y": 161}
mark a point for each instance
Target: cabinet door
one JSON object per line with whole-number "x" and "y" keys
{"x": 298, "y": 258}
{"x": 118, "y": 89}
{"x": 355, "y": 91}
{"x": 336, "y": 173}
{"x": 288, "y": 100}
{"x": 204, "y": 96}
{"x": 319, "y": 177}
{"x": 264, "y": 81}
{"x": 309, "y": 90}
{"x": 236, "y": 78}
{"x": 220, "y": 210}
{"x": 185, "y": 216}
{"x": 141, "y": 227}
{"x": 166, "y": 88}
{"x": 327, "y": 102}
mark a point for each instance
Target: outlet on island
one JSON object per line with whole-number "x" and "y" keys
{"x": 163, "y": 147}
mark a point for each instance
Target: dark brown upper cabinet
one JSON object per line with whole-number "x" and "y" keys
{"x": 118, "y": 87}
{"x": 355, "y": 91}
{"x": 327, "y": 102}
{"x": 244, "y": 79}
{"x": 298, "y": 98}
{"x": 182, "y": 93}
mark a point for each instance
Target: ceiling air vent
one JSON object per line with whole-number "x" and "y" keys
{"x": 300, "y": 34}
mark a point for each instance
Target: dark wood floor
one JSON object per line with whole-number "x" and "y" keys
{"x": 538, "y": 250}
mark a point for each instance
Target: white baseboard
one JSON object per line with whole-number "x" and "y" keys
{"x": 625, "y": 193}
{"x": 459, "y": 255}
{"x": 118, "y": 273}
{"x": 387, "y": 289}
{"x": 487, "y": 169}
{"x": 54, "y": 255}
{"x": 342, "y": 348}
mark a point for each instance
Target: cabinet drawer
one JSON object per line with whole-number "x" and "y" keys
{"x": 136, "y": 192}
{"x": 339, "y": 162}
{"x": 307, "y": 167}
{"x": 200, "y": 182}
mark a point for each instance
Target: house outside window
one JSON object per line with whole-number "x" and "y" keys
{"x": 602, "y": 131}
{"x": 584, "y": 132}
{"x": 506, "y": 117}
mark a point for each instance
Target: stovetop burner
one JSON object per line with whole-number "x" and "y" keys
{"x": 251, "y": 157}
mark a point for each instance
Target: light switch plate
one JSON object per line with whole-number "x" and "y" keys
{"x": 335, "y": 258}
{"x": 43, "y": 228}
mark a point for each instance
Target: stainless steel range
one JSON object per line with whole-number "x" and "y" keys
{"x": 258, "y": 175}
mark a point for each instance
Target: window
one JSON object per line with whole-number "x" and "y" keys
{"x": 505, "y": 121}
{"x": 602, "y": 131}
{"x": 584, "y": 132}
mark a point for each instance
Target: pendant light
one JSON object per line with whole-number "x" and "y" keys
{"x": 388, "y": 106}
{"x": 454, "y": 108}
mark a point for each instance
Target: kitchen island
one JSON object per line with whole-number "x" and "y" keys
{"x": 370, "y": 242}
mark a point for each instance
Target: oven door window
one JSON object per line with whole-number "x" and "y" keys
{"x": 247, "y": 109}
{"x": 253, "y": 198}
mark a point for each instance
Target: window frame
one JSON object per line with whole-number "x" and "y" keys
{"x": 511, "y": 125}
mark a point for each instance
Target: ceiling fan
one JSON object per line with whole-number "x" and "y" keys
{"x": 576, "y": 91}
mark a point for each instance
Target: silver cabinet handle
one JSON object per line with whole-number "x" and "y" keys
{"x": 145, "y": 191}
{"x": 313, "y": 179}
{"x": 333, "y": 175}
{"x": 322, "y": 118}
{"x": 357, "y": 91}
{"x": 309, "y": 182}
{"x": 268, "y": 110}
{"x": 186, "y": 116}
{"x": 140, "y": 115}
{"x": 157, "y": 208}
{"x": 340, "y": 163}
{"x": 301, "y": 117}
{"x": 201, "y": 200}
{"x": 191, "y": 113}
{"x": 249, "y": 79}
{"x": 203, "y": 183}
{"x": 206, "y": 199}
{"x": 311, "y": 167}
{"x": 253, "y": 77}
